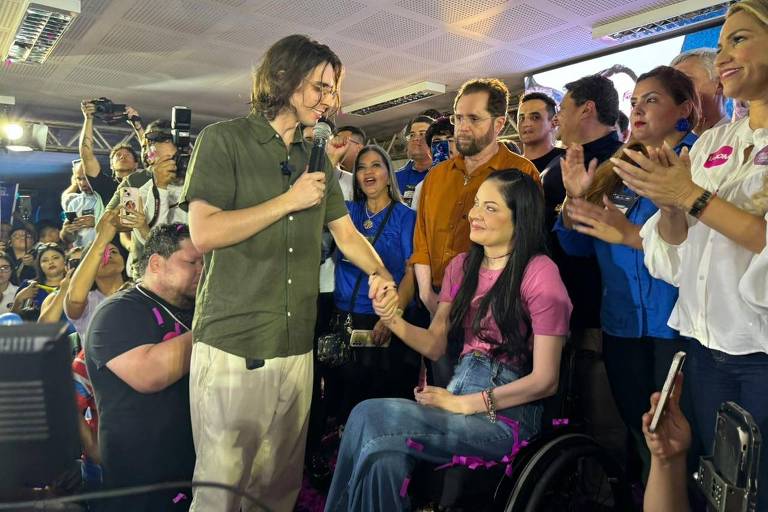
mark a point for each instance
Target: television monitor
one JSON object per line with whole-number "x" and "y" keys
{"x": 39, "y": 436}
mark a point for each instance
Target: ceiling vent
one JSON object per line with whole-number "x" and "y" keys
{"x": 30, "y": 29}
{"x": 686, "y": 14}
{"x": 402, "y": 96}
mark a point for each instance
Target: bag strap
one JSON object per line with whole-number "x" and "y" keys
{"x": 359, "y": 280}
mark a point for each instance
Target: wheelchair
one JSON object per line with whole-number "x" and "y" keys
{"x": 562, "y": 469}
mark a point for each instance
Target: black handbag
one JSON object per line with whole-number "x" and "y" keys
{"x": 333, "y": 349}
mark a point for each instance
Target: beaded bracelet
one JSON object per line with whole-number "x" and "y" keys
{"x": 491, "y": 405}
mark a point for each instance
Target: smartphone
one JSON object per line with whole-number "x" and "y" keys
{"x": 71, "y": 216}
{"x": 129, "y": 199}
{"x": 363, "y": 338}
{"x": 72, "y": 263}
{"x": 669, "y": 385}
{"x": 24, "y": 207}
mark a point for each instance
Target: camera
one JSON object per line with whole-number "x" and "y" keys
{"x": 181, "y": 124}
{"x": 108, "y": 111}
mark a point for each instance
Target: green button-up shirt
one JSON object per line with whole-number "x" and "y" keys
{"x": 257, "y": 298}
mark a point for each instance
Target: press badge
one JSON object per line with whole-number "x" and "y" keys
{"x": 624, "y": 201}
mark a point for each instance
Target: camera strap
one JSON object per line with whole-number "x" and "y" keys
{"x": 156, "y": 197}
{"x": 362, "y": 274}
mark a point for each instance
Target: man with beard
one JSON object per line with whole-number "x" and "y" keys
{"x": 442, "y": 229}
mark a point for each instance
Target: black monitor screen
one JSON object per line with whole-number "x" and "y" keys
{"x": 38, "y": 416}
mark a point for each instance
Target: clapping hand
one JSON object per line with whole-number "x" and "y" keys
{"x": 662, "y": 176}
{"x": 577, "y": 177}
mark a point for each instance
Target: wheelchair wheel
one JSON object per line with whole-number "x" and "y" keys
{"x": 568, "y": 472}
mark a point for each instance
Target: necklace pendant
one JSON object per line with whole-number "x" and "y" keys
{"x": 368, "y": 224}
{"x": 466, "y": 180}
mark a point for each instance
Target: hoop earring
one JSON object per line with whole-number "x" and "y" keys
{"x": 683, "y": 125}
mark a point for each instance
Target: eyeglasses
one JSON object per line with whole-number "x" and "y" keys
{"x": 20, "y": 236}
{"x": 415, "y": 135}
{"x": 325, "y": 90}
{"x": 5, "y": 268}
{"x": 457, "y": 119}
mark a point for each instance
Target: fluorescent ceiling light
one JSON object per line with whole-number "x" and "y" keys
{"x": 36, "y": 27}
{"x": 392, "y": 99}
{"x": 687, "y": 13}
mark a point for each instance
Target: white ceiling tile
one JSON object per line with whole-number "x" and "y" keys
{"x": 515, "y": 23}
{"x": 314, "y": 13}
{"x": 387, "y": 30}
{"x": 447, "y": 47}
{"x": 449, "y": 11}
{"x": 187, "y": 16}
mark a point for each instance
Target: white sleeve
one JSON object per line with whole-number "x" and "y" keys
{"x": 163, "y": 216}
{"x": 416, "y": 196}
{"x": 752, "y": 286}
{"x": 661, "y": 258}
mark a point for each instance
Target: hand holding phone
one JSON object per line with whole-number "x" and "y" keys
{"x": 669, "y": 385}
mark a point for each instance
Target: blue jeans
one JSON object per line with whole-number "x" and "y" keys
{"x": 715, "y": 377}
{"x": 374, "y": 458}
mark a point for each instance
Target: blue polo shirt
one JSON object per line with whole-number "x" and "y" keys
{"x": 634, "y": 304}
{"x": 407, "y": 179}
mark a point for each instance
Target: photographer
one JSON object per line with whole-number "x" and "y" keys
{"x": 158, "y": 185}
{"x": 160, "y": 195}
{"x": 122, "y": 158}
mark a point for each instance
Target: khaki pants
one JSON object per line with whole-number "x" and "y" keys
{"x": 249, "y": 428}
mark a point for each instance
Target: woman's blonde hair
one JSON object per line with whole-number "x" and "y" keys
{"x": 759, "y": 9}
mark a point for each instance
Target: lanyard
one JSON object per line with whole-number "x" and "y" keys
{"x": 162, "y": 306}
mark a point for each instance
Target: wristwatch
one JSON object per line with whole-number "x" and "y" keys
{"x": 701, "y": 202}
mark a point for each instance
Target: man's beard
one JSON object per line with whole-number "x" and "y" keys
{"x": 476, "y": 145}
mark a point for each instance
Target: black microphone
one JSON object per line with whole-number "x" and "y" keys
{"x": 320, "y": 135}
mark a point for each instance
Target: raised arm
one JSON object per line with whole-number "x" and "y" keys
{"x": 76, "y": 298}
{"x": 90, "y": 162}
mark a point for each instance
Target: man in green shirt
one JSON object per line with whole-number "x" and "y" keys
{"x": 258, "y": 215}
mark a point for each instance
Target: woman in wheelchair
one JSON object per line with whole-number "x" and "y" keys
{"x": 504, "y": 309}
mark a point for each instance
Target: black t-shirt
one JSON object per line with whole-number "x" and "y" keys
{"x": 103, "y": 185}
{"x": 144, "y": 437}
{"x": 552, "y": 181}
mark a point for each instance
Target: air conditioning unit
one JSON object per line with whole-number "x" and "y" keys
{"x": 30, "y": 29}
{"x": 402, "y": 96}
{"x": 682, "y": 15}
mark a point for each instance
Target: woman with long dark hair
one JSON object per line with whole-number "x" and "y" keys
{"x": 504, "y": 309}
{"x": 602, "y": 217}
{"x": 388, "y": 368}
{"x": 50, "y": 272}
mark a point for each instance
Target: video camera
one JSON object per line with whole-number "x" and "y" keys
{"x": 178, "y": 135}
{"x": 108, "y": 111}
{"x": 181, "y": 124}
